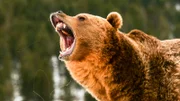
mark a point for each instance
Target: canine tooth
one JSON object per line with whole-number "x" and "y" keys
{"x": 58, "y": 25}
{"x": 64, "y": 25}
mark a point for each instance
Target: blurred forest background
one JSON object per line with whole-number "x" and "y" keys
{"x": 29, "y": 46}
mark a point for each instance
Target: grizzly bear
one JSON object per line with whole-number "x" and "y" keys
{"x": 115, "y": 66}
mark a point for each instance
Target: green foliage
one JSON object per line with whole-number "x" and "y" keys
{"x": 27, "y": 36}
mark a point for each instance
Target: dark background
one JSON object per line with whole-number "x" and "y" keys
{"x": 28, "y": 41}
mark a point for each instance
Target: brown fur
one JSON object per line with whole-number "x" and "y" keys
{"x": 114, "y": 66}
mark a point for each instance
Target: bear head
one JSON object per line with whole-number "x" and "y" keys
{"x": 84, "y": 33}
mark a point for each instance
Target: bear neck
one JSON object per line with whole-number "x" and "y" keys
{"x": 125, "y": 65}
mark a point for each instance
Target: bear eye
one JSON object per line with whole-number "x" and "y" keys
{"x": 81, "y": 18}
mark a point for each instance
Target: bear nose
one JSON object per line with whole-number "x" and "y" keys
{"x": 60, "y": 11}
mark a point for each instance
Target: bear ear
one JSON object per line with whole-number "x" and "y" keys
{"x": 115, "y": 19}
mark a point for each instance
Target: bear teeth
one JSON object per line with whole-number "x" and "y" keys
{"x": 61, "y": 27}
{"x": 64, "y": 26}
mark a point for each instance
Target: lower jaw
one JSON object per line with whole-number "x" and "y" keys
{"x": 68, "y": 53}
{"x": 64, "y": 56}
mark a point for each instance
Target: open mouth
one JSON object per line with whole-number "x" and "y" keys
{"x": 67, "y": 39}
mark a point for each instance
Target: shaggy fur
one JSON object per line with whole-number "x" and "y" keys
{"x": 113, "y": 66}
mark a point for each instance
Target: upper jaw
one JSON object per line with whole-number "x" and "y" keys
{"x": 67, "y": 38}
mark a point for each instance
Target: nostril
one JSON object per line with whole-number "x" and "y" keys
{"x": 60, "y": 11}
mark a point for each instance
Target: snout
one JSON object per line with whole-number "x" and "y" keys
{"x": 58, "y": 13}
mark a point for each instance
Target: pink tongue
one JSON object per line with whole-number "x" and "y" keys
{"x": 68, "y": 41}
